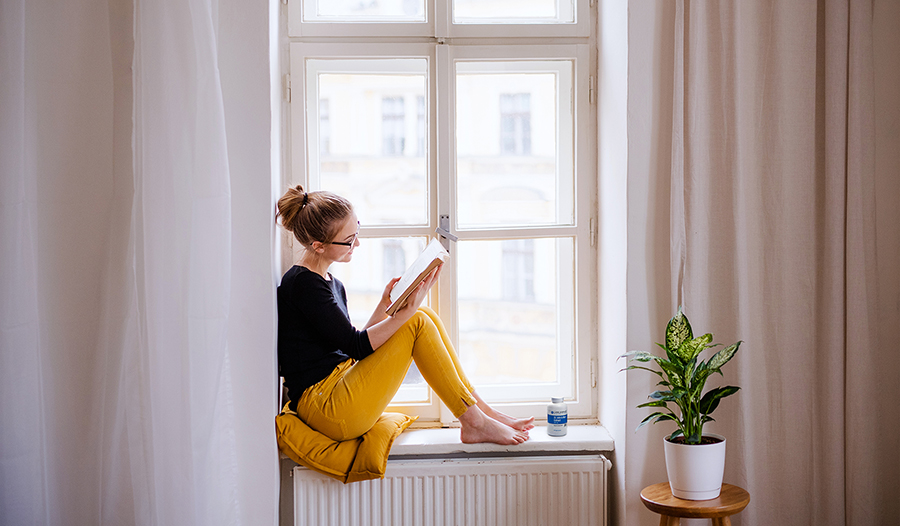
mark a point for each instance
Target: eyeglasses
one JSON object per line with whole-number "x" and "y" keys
{"x": 347, "y": 243}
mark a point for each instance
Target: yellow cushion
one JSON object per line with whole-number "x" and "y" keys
{"x": 362, "y": 458}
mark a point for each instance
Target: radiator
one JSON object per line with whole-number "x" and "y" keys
{"x": 538, "y": 491}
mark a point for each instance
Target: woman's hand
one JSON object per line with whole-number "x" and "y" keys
{"x": 414, "y": 301}
{"x": 382, "y": 306}
{"x": 386, "y": 295}
{"x": 381, "y": 327}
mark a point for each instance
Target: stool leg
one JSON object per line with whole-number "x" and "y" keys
{"x": 665, "y": 520}
{"x": 721, "y": 521}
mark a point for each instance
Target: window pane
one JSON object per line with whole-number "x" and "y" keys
{"x": 513, "y": 11}
{"x": 514, "y": 143}
{"x": 374, "y": 263}
{"x": 366, "y": 139}
{"x": 516, "y": 306}
{"x": 364, "y": 11}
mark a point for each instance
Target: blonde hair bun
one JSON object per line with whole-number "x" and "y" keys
{"x": 312, "y": 216}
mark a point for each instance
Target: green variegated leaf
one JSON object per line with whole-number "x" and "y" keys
{"x": 658, "y": 416}
{"x": 683, "y": 352}
{"x": 673, "y": 371}
{"x": 669, "y": 365}
{"x": 696, "y": 389}
{"x": 710, "y": 400}
{"x": 655, "y": 403}
{"x": 722, "y": 357}
{"x": 678, "y": 432}
{"x": 666, "y": 416}
{"x": 647, "y": 419}
{"x": 698, "y": 379}
{"x": 694, "y": 347}
{"x": 672, "y": 354}
{"x": 678, "y": 331}
{"x": 667, "y": 396}
{"x": 689, "y": 372}
{"x": 640, "y": 356}
{"x": 698, "y": 371}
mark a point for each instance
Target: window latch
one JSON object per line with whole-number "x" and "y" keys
{"x": 443, "y": 230}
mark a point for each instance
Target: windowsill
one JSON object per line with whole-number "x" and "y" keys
{"x": 444, "y": 442}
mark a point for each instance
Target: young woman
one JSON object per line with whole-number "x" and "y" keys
{"x": 341, "y": 379}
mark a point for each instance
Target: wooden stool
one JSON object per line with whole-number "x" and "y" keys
{"x": 658, "y": 498}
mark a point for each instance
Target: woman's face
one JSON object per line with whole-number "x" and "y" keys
{"x": 346, "y": 240}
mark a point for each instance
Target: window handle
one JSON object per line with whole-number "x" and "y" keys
{"x": 446, "y": 234}
{"x": 444, "y": 230}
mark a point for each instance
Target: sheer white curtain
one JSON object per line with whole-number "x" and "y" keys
{"x": 772, "y": 200}
{"x": 137, "y": 374}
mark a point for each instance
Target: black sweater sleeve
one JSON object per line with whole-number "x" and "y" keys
{"x": 314, "y": 329}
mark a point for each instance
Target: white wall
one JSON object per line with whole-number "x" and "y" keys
{"x": 612, "y": 165}
{"x": 650, "y": 301}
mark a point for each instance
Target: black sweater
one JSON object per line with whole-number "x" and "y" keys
{"x": 314, "y": 330}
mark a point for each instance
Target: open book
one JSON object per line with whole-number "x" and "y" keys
{"x": 433, "y": 255}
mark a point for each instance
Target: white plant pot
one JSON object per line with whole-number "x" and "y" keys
{"x": 696, "y": 471}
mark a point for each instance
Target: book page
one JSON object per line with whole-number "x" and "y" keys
{"x": 433, "y": 255}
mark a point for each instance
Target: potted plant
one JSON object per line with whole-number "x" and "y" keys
{"x": 695, "y": 462}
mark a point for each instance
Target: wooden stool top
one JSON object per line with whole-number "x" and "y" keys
{"x": 659, "y": 498}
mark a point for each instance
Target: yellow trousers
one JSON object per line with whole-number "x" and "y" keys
{"x": 347, "y": 403}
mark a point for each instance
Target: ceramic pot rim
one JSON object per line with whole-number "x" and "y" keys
{"x": 712, "y": 435}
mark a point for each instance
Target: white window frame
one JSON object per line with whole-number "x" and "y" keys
{"x": 441, "y": 56}
{"x": 297, "y": 27}
{"x": 446, "y": 28}
{"x": 439, "y": 26}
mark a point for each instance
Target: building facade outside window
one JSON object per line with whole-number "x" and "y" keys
{"x": 392, "y": 126}
{"x": 515, "y": 123}
{"x": 518, "y": 270}
{"x": 394, "y": 258}
{"x": 324, "y": 128}
{"x": 421, "y": 126}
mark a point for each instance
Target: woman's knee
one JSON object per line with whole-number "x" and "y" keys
{"x": 420, "y": 319}
{"x": 429, "y": 311}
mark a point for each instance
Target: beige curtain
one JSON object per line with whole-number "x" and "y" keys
{"x": 783, "y": 183}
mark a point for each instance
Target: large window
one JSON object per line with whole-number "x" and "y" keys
{"x": 470, "y": 128}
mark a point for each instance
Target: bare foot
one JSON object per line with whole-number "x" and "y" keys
{"x": 479, "y": 428}
{"x": 519, "y": 424}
